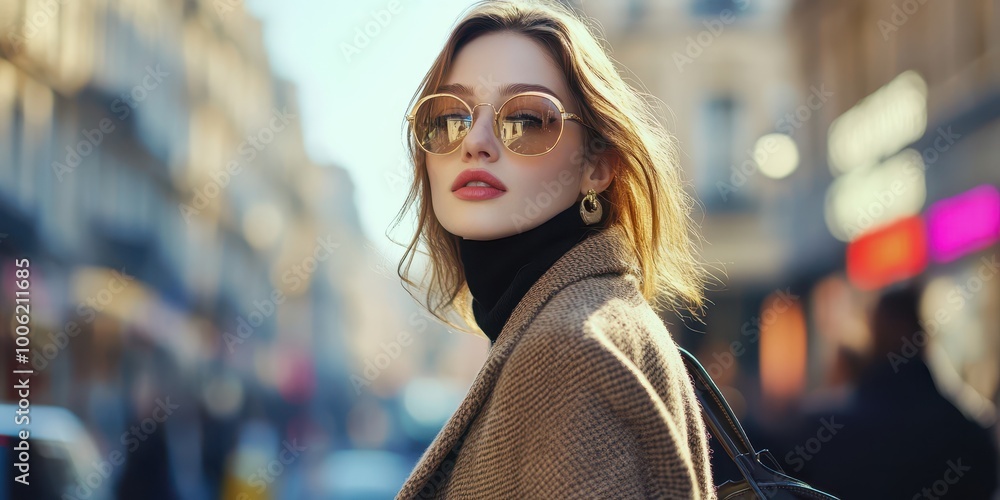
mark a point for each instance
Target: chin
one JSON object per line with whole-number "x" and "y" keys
{"x": 489, "y": 219}
{"x": 473, "y": 232}
{"x": 475, "y": 228}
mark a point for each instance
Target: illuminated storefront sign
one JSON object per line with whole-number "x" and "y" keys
{"x": 869, "y": 198}
{"x": 889, "y": 254}
{"x": 880, "y": 125}
{"x": 877, "y": 180}
{"x": 964, "y": 223}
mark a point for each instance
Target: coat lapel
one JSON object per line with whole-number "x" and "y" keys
{"x": 601, "y": 253}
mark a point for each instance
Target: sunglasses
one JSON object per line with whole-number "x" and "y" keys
{"x": 528, "y": 124}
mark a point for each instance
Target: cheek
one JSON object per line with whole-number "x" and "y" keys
{"x": 434, "y": 174}
{"x": 553, "y": 175}
{"x": 562, "y": 165}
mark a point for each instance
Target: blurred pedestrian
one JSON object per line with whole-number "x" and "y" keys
{"x": 898, "y": 436}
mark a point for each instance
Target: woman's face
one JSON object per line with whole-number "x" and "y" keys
{"x": 535, "y": 188}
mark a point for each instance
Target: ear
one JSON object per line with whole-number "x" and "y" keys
{"x": 598, "y": 175}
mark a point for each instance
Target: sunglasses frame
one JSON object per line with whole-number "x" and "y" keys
{"x": 565, "y": 115}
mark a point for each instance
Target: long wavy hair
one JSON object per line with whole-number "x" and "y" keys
{"x": 646, "y": 197}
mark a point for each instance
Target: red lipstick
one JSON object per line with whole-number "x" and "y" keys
{"x": 485, "y": 186}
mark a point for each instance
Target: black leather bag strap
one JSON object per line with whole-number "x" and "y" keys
{"x": 720, "y": 418}
{"x": 722, "y": 422}
{"x": 724, "y": 426}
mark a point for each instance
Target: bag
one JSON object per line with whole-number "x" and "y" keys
{"x": 762, "y": 476}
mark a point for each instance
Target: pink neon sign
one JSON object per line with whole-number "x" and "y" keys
{"x": 964, "y": 223}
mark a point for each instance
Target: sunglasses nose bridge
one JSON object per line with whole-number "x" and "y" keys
{"x": 490, "y": 104}
{"x": 491, "y": 118}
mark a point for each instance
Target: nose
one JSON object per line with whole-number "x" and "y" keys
{"x": 481, "y": 143}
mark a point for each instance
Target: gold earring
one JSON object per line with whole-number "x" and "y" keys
{"x": 591, "y": 216}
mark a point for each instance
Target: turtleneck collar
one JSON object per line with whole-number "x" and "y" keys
{"x": 501, "y": 271}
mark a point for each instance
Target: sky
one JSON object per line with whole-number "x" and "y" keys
{"x": 356, "y": 66}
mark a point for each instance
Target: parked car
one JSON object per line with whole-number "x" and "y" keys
{"x": 63, "y": 458}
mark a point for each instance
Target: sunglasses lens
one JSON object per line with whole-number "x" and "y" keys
{"x": 440, "y": 123}
{"x": 530, "y": 125}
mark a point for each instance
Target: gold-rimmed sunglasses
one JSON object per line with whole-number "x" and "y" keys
{"x": 528, "y": 123}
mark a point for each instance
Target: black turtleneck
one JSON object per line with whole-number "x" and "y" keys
{"x": 501, "y": 271}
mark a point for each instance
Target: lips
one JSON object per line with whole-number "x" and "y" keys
{"x": 477, "y": 175}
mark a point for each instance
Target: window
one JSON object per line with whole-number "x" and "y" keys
{"x": 719, "y": 182}
{"x": 8, "y": 124}
{"x": 714, "y": 8}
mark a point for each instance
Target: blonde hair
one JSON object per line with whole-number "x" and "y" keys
{"x": 646, "y": 197}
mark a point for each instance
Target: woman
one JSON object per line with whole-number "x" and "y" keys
{"x": 549, "y": 202}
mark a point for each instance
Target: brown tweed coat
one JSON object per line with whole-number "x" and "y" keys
{"x": 583, "y": 395}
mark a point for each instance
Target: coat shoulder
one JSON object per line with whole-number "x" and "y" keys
{"x": 598, "y": 353}
{"x": 609, "y": 309}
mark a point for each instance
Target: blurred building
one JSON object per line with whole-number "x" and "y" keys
{"x": 725, "y": 76}
{"x": 181, "y": 243}
{"x": 836, "y": 147}
{"x": 916, "y": 89}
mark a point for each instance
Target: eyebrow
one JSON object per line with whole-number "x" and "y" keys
{"x": 506, "y": 90}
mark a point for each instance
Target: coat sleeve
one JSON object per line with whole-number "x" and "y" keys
{"x": 589, "y": 425}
